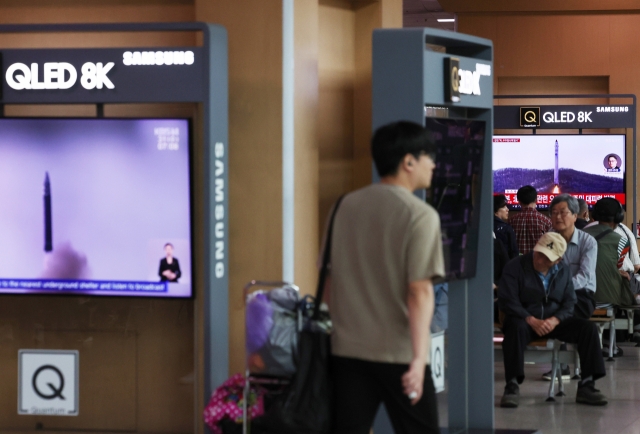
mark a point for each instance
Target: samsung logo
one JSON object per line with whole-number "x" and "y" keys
{"x": 130, "y": 58}
{"x": 609, "y": 109}
{"x": 219, "y": 211}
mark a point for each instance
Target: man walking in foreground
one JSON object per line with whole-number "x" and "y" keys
{"x": 386, "y": 251}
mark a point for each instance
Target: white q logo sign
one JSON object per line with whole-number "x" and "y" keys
{"x": 19, "y": 82}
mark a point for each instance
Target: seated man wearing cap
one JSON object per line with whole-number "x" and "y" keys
{"x": 537, "y": 296}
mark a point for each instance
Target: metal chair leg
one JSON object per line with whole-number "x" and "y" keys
{"x": 612, "y": 339}
{"x": 576, "y": 358}
{"x": 556, "y": 348}
{"x": 554, "y": 371}
{"x": 600, "y": 331}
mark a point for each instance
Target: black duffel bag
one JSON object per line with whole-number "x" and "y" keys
{"x": 306, "y": 407}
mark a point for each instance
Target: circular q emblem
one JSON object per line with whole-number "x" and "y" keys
{"x": 54, "y": 392}
{"x": 455, "y": 79}
{"x": 437, "y": 363}
{"x": 530, "y": 116}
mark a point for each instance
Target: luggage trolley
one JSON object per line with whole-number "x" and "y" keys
{"x": 269, "y": 377}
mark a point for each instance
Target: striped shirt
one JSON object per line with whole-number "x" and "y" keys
{"x": 632, "y": 259}
{"x": 529, "y": 225}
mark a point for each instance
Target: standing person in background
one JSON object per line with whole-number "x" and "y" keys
{"x": 631, "y": 262}
{"x": 503, "y": 230}
{"x": 612, "y": 283}
{"x": 386, "y": 251}
{"x": 583, "y": 214}
{"x": 529, "y": 224}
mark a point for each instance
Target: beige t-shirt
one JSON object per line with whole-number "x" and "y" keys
{"x": 384, "y": 237}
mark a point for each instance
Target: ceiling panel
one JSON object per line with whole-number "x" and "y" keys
{"x": 425, "y": 13}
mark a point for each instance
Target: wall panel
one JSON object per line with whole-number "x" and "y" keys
{"x": 255, "y": 149}
{"x": 336, "y": 65}
{"x": 306, "y": 128}
{"x": 560, "y": 52}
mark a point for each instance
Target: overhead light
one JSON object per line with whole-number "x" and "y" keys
{"x": 446, "y": 20}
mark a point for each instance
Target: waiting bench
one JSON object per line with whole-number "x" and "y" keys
{"x": 538, "y": 352}
{"x": 603, "y": 317}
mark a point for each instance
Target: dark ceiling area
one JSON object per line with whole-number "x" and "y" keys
{"x": 426, "y": 13}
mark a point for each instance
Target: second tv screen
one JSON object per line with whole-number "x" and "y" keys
{"x": 586, "y": 166}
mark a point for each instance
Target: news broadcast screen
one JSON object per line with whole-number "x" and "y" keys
{"x": 455, "y": 190}
{"x": 586, "y": 166}
{"x": 95, "y": 207}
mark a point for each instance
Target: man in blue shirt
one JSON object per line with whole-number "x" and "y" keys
{"x": 537, "y": 296}
{"x": 581, "y": 255}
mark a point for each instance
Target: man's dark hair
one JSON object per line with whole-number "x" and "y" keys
{"x": 584, "y": 206}
{"x": 608, "y": 210}
{"x": 527, "y": 195}
{"x": 392, "y": 142}
{"x": 499, "y": 201}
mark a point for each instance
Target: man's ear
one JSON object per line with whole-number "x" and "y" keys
{"x": 408, "y": 162}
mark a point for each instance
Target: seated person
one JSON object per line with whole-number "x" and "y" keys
{"x": 583, "y": 215}
{"x": 537, "y": 297}
{"x": 612, "y": 283}
{"x": 501, "y": 229}
{"x": 580, "y": 258}
{"x": 581, "y": 253}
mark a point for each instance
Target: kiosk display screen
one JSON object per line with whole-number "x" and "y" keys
{"x": 95, "y": 207}
{"x": 455, "y": 190}
{"x": 586, "y": 166}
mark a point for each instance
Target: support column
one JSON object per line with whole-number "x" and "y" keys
{"x": 255, "y": 156}
{"x": 273, "y": 162}
{"x": 379, "y": 14}
{"x": 306, "y": 176}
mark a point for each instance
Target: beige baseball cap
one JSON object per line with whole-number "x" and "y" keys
{"x": 552, "y": 244}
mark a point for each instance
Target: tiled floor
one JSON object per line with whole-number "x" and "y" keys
{"x": 620, "y": 416}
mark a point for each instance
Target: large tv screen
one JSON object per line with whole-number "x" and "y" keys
{"x": 586, "y": 166}
{"x": 95, "y": 207}
{"x": 455, "y": 190}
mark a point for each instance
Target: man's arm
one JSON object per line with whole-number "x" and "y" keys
{"x": 509, "y": 301}
{"x": 420, "y": 304}
{"x": 425, "y": 262}
{"x": 508, "y": 290}
{"x": 178, "y": 272}
{"x": 568, "y": 301}
{"x": 587, "y": 270}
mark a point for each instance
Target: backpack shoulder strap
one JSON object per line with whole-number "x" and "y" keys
{"x": 603, "y": 234}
